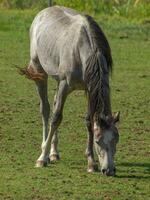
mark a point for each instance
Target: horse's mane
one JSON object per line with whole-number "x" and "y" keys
{"x": 98, "y": 66}
{"x": 99, "y": 41}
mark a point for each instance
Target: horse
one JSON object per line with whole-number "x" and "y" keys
{"x": 72, "y": 49}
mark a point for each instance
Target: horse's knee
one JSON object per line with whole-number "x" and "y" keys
{"x": 56, "y": 119}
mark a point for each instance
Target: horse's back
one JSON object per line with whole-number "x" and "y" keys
{"x": 54, "y": 34}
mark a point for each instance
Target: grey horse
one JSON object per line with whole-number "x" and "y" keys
{"x": 72, "y": 48}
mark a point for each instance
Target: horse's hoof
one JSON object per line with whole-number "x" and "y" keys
{"x": 90, "y": 170}
{"x": 93, "y": 168}
{"x": 54, "y": 157}
{"x": 40, "y": 163}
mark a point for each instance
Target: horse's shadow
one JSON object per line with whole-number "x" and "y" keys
{"x": 132, "y": 174}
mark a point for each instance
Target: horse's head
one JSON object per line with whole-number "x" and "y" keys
{"x": 106, "y": 137}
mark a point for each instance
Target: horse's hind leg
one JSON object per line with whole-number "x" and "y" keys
{"x": 55, "y": 121}
{"x": 44, "y": 107}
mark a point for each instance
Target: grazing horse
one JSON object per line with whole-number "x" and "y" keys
{"x": 72, "y": 49}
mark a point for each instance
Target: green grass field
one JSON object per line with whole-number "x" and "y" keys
{"x": 21, "y": 127}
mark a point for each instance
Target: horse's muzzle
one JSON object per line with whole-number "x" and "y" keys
{"x": 108, "y": 172}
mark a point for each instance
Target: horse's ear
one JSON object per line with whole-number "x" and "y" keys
{"x": 116, "y": 117}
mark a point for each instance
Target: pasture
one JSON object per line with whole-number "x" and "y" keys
{"x": 21, "y": 127}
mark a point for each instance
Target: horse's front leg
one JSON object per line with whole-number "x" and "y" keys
{"x": 55, "y": 122}
{"x": 89, "y": 150}
{"x": 44, "y": 108}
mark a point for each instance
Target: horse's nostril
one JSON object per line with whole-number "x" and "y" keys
{"x": 108, "y": 172}
{"x": 111, "y": 172}
{"x": 104, "y": 171}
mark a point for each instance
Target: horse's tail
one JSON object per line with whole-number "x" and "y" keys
{"x": 32, "y": 73}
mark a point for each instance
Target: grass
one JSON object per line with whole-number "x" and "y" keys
{"x": 20, "y": 121}
{"x": 131, "y": 9}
